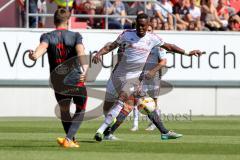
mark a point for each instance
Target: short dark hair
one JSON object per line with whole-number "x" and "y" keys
{"x": 142, "y": 16}
{"x": 61, "y": 15}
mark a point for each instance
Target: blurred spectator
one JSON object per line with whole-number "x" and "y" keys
{"x": 22, "y": 10}
{"x": 150, "y": 9}
{"x": 235, "y": 4}
{"x": 133, "y": 8}
{"x": 33, "y": 8}
{"x": 42, "y": 8}
{"x": 209, "y": 16}
{"x": 87, "y": 7}
{"x": 195, "y": 13}
{"x": 193, "y": 26}
{"x": 166, "y": 26}
{"x": 234, "y": 23}
{"x": 163, "y": 11}
{"x": 63, "y": 3}
{"x": 117, "y": 9}
{"x": 222, "y": 12}
{"x": 154, "y": 23}
{"x": 159, "y": 24}
{"x": 182, "y": 14}
{"x": 174, "y": 2}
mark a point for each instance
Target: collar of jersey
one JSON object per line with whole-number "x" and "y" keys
{"x": 60, "y": 28}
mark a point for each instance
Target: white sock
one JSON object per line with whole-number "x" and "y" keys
{"x": 102, "y": 128}
{"x": 113, "y": 113}
{"x": 135, "y": 116}
{"x": 158, "y": 112}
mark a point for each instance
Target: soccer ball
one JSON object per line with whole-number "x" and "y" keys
{"x": 146, "y": 105}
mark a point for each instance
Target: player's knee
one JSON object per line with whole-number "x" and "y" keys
{"x": 123, "y": 96}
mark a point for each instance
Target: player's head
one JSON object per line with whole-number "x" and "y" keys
{"x": 61, "y": 17}
{"x": 142, "y": 22}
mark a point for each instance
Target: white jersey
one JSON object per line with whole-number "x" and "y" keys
{"x": 135, "y": 52}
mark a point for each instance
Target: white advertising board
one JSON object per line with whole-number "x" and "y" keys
{"x": 221, "y": 61}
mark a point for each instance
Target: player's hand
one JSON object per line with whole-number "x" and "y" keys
{"x": 82, "y": 77}
{"x": 195, "y": 53}
{"x": 97, "y": 58}
{"x": 31, "y": 55}
{"x": 150, "y": 74}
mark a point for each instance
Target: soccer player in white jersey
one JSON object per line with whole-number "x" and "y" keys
{"x": 151, "y": 86}
{"x": 137, "y": 46}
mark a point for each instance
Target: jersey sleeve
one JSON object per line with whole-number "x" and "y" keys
{"x": 120, "y": 38}
{"x": 78, "y": 38}
{"x": 157, "y": 41}
{"x": 162, "y": 54}
{"x": 44, "y": 38}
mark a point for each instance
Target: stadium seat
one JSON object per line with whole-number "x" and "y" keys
{"x": 77, "y": 25}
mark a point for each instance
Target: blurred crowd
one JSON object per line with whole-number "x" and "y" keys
{"x": 193, "y": 15}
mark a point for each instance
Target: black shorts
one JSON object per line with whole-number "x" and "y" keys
{"x": 80, "y": 99}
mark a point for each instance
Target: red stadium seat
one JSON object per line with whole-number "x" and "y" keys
{"x": 77, "y": 25}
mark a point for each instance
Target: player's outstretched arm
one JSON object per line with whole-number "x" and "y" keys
{"x": 106, "y": 49}
{"x": 175, "y": 49}
{"x": 82, "y": 60}
{"x": 40, "y": 50}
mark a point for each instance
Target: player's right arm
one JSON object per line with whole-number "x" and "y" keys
{"x": 106, "y": 49}
{"x": 109, "y": 47}
{"x": 40, "y": 50}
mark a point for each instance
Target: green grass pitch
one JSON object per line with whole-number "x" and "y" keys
{"x": 205, "y": 138}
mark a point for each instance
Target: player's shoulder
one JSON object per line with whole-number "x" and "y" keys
{"x": 45, "y": 35}
{"x": 72, "y": 33}
{"x": 129, "y": 31}
{"x": 154, "y": 35}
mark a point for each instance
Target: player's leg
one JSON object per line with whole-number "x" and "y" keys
{"x": 108, "y": 103}
{"x": 165, "y": 133}
{"x": 118, "y": 88}
{"x": 111, "y": 96}
{"x": 64, "y": 105}
{"x": 154, "y": 92}
{"x": 128, "y": 107}
{"x": 77, "y": 118}
{"x": 111, "y": 115}
{"x": 151, "y": 126}
{"x": 66, "y": 119}
{"x": 153, "y": 116}
{"x": 126, "y": 110}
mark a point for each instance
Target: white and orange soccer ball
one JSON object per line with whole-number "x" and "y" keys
{"x": 146, "y": 105}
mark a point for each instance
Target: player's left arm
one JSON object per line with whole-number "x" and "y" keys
{"x": 82, "y": 60}
{"x": 175, "y": 49}
{"x": 151, "y": 73}
{"x": 40, "y": 50}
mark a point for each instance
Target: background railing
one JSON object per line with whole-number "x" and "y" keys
{"x": 105, "y": 16}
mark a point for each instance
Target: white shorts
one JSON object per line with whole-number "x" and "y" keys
{"x": 115, "y": 85}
